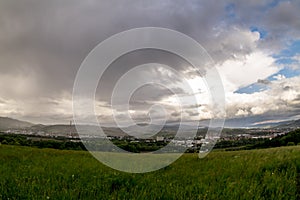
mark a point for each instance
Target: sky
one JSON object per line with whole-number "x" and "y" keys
{"x": 255, "y": 46}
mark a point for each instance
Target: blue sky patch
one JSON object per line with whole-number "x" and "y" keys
{"x": 250, "y": 89}
{"x": 230, "y": 11}
{"x": 292, "y": 50}
{"x": 287, "y": 72}
{"x": 262, "y": 33}
{"x": 285, "y": 58}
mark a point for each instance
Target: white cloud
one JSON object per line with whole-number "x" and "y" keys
{"x": 243, "y": 71}
{"x": 279, "y": 77}
{"x": 38, "y": 110}
{"x": 282, "y": 97}
{"x": 242, "y": 112}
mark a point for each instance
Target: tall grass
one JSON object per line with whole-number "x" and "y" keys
{"x": 30, "y": 173}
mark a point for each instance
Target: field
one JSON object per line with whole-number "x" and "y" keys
{"x": 32, "y": 173}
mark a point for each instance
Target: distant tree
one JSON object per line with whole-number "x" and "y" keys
{"x": 290, "y": 144}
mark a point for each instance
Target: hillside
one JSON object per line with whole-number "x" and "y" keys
{"x": 9, "y": 123}
{"x": 63, "y": 129}
{"x": 256, "y": 174}
{"x": 290, "y": 124}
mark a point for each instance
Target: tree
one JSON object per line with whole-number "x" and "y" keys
{"x": 290, "y": 144}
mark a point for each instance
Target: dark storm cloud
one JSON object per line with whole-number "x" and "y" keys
{"x": 192, "y": 113}
{"x": 194, "y": 106}
{"x": 53, "y": 37}
{"x": 176, "y": 114}
{"x": 155, "y": 93}
{"x": 280, "y": 19}
{"x": 263, "y": 81}
{"x": 42, "y": 42}
{"x": 285, "y": 15}
{"x": 124, "y": 63}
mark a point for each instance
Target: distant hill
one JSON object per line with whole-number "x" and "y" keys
{"x": 37, "y": 127}
{"x": 9, "y": 123}
{"x": 291, "y": 138}
{"x": 58, "y": 129}
{"x": 166, "y": 131}
{"x": 64, "y": 129}
{"x": 290, "y": 124}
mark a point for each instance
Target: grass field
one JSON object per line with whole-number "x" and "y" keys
{"x": 31, "y": 173}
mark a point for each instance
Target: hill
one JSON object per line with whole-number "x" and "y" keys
{"x": 9, "y": 123}
{"x": 63, "y": 129}
{"x": 289, "y": 139}
{"x": 256, "y": 174}
{"x": 290, "y": 125}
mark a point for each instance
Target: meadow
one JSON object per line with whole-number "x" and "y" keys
{"x": 32, "y": 173}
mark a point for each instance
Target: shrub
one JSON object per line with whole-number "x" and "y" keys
{"x": 290, "y": 144}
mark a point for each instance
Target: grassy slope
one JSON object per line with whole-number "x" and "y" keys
{"x": 30, "y": 173}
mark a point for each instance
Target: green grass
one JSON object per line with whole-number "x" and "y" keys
{"x": 31, "y": 173}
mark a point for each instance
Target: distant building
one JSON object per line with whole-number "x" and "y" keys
{"x": 160, "y": 139}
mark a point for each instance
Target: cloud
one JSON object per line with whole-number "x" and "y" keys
{"x": 263, "y": 81}
{"x": 41, "y": 110}
{"x": 281, "y": 100}
{"x": 42, "y": 44}
{"x": 232, "y": 42}
{"x": 237, "y": 73}
{"x": 279, "y": 77}
{"x": 285, "y": 15}
{"x": 22, "y": 84}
